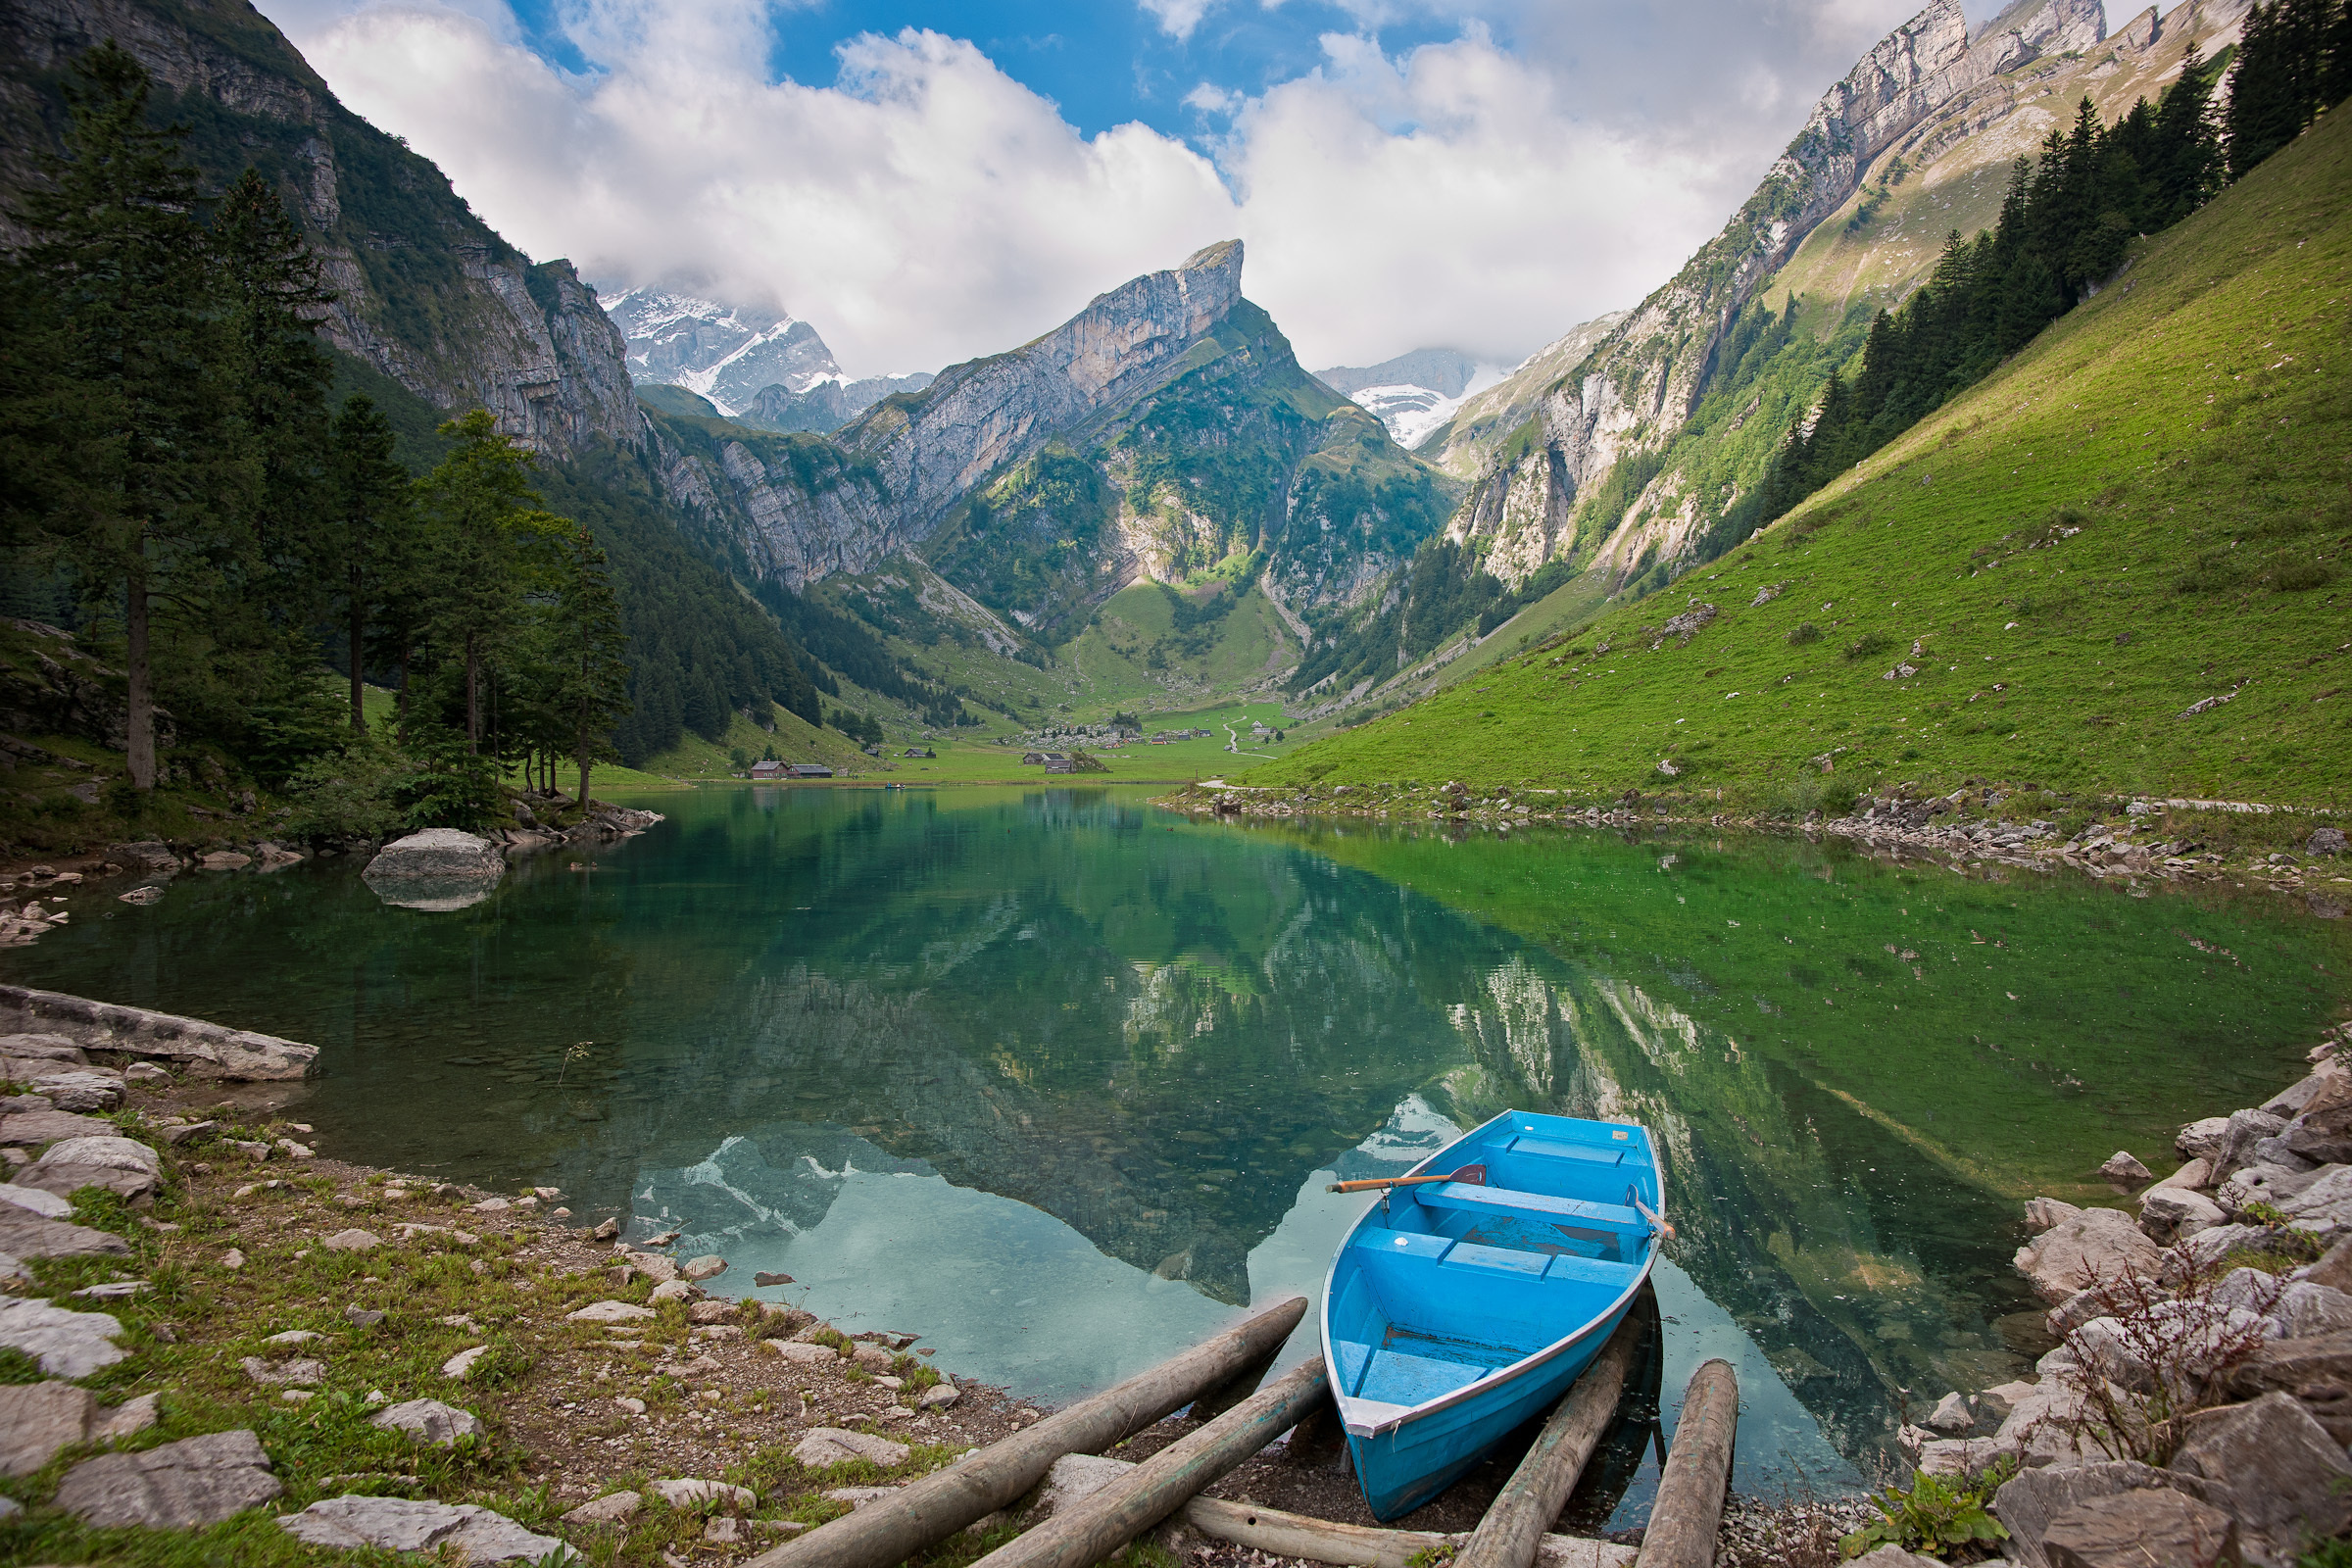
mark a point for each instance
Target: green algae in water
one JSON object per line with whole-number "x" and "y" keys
{"x": 1056, "y": 1078}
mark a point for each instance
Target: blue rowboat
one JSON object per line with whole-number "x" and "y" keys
{"x": 1456, "y": 1310}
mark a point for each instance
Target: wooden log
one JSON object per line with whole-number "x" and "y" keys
{"x": 1291, "y": 1534}
{"x": 1689, "y": 1509}
{"x": 1103, "y": 1522}
{"x": 892, "y": 1529}
{"x": 1235, "y": 1389}
{"x": 1523, "y": 1511}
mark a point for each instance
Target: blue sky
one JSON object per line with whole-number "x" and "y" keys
{"x": 927, "y": 181}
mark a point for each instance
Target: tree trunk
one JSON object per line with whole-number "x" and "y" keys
{"x": 139, "y": 720}
{"x": 473, "y": 698}
{"x": 358, "y": 715}
{"x": 580, "y": 739}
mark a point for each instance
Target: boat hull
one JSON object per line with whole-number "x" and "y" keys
{"x": 1455, "y": 1313}
{"x": 1407, "y": 1465}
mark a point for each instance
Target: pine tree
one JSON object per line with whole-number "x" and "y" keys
{"x": 2335, "y": 71}
{"x": 2185, "y": 157}
{"x": 590, "y": 691}
{"x": 272, "y": 302}
{"x": 368, "y": 539}
{"x": 479, "y": 509}
{"x": 118, "y": 254}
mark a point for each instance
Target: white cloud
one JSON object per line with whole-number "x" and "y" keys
{"x": 1177, "y": 18}
{"x": 926, "y": 207}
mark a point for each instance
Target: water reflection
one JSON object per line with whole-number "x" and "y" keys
{"x": 1058, "y": 1079}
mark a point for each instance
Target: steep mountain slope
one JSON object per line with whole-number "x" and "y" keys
{"x": 1464, "y": 444}
{"x": 2117, "y": 564}
{"x": 428, "y": 294}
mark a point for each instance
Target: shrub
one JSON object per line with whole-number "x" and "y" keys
{"x": 1868, "y": 644}
{"x": 1804, "y": 632}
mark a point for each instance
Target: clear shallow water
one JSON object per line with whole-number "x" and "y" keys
{"x": 1057, "y": 1079}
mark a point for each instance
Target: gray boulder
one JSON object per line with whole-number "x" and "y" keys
{"x": 2203, "y": 1139}
{"x": 2124, "y": 1167}
{"x": 428, "y": 1421}
{"x": 2317, "y": 1370}
{"x": 2029, "y": 1501}
{"x": 24, "y": 1234}
{"x": 83, "y": 1090}
{"x": 65, "y": 1345}
{"x": 2324, "y": 841}
{"x": 121, "y": 1165}
{"x": 2324, "y": 1206}
{"x": 2281, "y": 1469}
{"x": 2246, "y": 1129}
{"x": 436, "y": 870}
{"x": 25, "y": 1129}
{"x": 2173, "y": 1348}
{"x": 824, "y": 1445}
{"x": 402, "y": 1524}
{"x": 2134, "y": 1529}
{"x": 179, "y": 1485}
{"x": 2306, "y": 1308}
{"x": 2263, "y": 1182}
{"x": 1952, "y": 1415}
{"x": 2093, "y": 1246}
{"x": 2322, "y": 1130}
{"x": 2172, "y": 1215}
{"x": 37, "y": 1419}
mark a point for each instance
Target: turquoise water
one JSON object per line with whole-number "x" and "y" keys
{"x": 1057, "y": 1079}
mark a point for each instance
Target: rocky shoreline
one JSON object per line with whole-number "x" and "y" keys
{"x": 211, "y": 1329}
{"x": 434, "y": 869}
{"x": 2148, "y": 838}
{"x": 2198, "y": 1401}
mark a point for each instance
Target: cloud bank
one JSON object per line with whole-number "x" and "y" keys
{"x": 924, "y": 207}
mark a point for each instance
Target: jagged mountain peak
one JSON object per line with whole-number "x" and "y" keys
{"x": 727, "y": 353}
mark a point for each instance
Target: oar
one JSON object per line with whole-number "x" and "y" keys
{"x": 1468, "y": 1175}
{"x": 1657, "y": 1221}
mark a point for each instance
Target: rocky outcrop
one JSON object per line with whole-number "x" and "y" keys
{"x": 425, "y": 292}
{"x": 1641, "y": 383}
{"x": 205, "y": 1048}
{"x": 437, "y": 870}
{"x": 977, "y": 416}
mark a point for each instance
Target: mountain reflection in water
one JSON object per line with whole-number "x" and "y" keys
{"x": 1057, "y": 1079}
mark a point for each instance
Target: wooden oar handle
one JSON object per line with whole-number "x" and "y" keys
{"x": 1377, "y": 1182}
{"x": 1655, "y": 1218}
{"x": 1473, "y": 1175}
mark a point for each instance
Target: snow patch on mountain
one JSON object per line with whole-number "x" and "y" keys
{"x": 1415, "y": 393}
{"x": 726, "y": 352}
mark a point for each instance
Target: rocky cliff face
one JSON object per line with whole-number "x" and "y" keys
{"x": 977, "y": 416}
{"x": 428, "y": 294}
{"x": 1635, "y": 391}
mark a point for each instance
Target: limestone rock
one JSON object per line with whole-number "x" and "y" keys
{"x": 2029, "y": 1502}
{"x": 121, "y": 1165}
{"x": 352, "y": 1240}
{"x": 807, "y": 1355}
{"x": 1952, "y": 1415}
{"x": 674, "y": 1291}
{"x": 2335, "y": 1269}
{"x": 461, "y": 1365}
{"x": 824, "y": 1445}
{"x": 80, "y": 1091}
{"x": 2174, "y": 1347}
{"x": 125, "y": 1420}
{"x": 2246, "y": 1128}
{"x": 469, "y": 1532}
{"x": 2317, "y": 1370}
{"x": 938, "y": 1397}
{"x": 2133, "y": 1529}
{"x": 2248, "y": 1288}
{"x": 35, "y": 1200}
{"x": 693, "y": 1493}
{"x": 2324, "y": 841}
{"x": 28, "y": 1128}
{"x": 65, "y": 1345}
{"x": 37, "y": 1419}
{"x": 2324, "y": 1207}
{"x": 2085, "y": 1248}
{"x": 860, "y": 1497}
{"x": 2306, "y": 1308}
{"x": 2043, "y": 1212}
{"x": 872, "y": 1358}
{"x": 2208, "y": 1248}
{"x": 1954, "y": 1457}
{"x": 611, "y": 1312}
{"x": 428, "y": 1421}
{"x": 2122, "y": 1166}
{"x": 610, "y": 1509}
{"x": 698, "y": 1269}
{"x": 436, "y": 870}
{"x": 23, "y": 1234}
{"x": 178, "y": 1486}
{"x": 2281, "y": 1468}
{"x": 2171, "y": 1215}
{"x": 206, "y": 1049}
{"x": 1894, "y": 1557}
{"x": 301, "y": 1373}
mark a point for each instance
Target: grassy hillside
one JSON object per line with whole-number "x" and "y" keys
{"x": 2146, "y": 508}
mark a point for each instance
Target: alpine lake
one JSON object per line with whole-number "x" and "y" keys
{"x": 1057, "y": 1079}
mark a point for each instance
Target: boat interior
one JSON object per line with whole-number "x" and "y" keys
{"x": 1443, "y": 1284}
